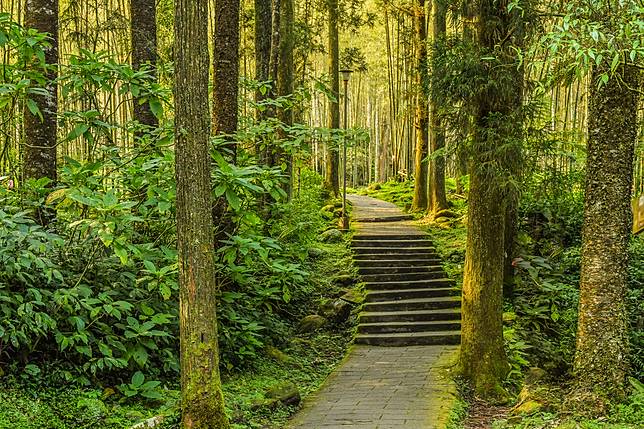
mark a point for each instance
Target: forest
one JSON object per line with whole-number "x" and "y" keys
{"x": 177, "y": 247}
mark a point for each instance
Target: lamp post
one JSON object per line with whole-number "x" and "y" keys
{"x": 346, "y": 74}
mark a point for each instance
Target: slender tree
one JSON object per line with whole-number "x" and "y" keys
{"x": 39, "y": 154}
{"x": 437, "y": 198}
{"x": 263, "y": 26}
{"x": 285, "y": 74}
{"x": 143, "y": 32}
{"x": 202, "y": 398}
{"x": 422, "y": 119}
{"x": 333, "y": 154}
{"x": 601, "y": 359}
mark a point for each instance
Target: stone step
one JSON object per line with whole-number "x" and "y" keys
{"x": 387, "y": 237}
{"x": 447, "y": 314}
{"x": 410, "y": 339}
{"x": 393, "y": 250}
{"x": 412, "y": 284}
{"x": 391, "y": 243}
{"x": 366, "y": 271}
{"x": 396, "y": 295}
{"x": 386, "y": 218}
{"x": 402, "y": 277}
{"x": 397, "y": 327}
{"x": 366, "y": 263}
{"x": 389, "y": 256}
{"x": 414, "y": 304}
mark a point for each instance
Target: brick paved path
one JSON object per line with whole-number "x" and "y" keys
{"x": 383, "y": 387}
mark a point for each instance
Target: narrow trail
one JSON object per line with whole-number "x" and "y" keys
{"x": 410, "y": 304}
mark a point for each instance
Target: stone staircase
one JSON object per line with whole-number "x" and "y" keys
{"x": 410, "y": 300}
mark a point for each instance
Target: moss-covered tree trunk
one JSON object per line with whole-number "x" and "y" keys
{"x": 332, "y": 153}
{"x": 285, "y": 78}
{"x": 143, "y": 32}
{"x": 601, "y": 359}
{"x": 263, "y": 21}
{"x": 437, "y": 196}
{"x": 39, "y": 152}
{"x": 495, "y": 139}
{"x": 421, "y": 162}
{"x": 202, "y": 400}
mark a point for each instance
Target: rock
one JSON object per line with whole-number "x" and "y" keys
{"x": 375, "y": 187}
{"x": 149, "y": 423}
{"x": 312, "y": 323}
{"x": 535, "y": 375}
{"x": 331, "y": 236}
{"x": 338, "y": 311}
{"x": 344, "y": 280}
{"x": 315, "y": 253}
{"x": 276, "y": 354}
{"x": 257, "y": 404}
{"x": 527, "y": 408}
{"x": 286, "y": 393}
{"x": 353, "y": 297}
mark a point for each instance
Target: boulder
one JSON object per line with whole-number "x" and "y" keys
{"x": 286, "y": 393}
{"x": 149, "y": 423}
{"x": 337, "y": 311}
{"x": 276, "y": 354}
{"x": 353, "y": 297}
{"x": 344, "y": 280}
{"x": 332, "y": 235}
{"x": 315, "y": 253}
{"x": 527, "y": 408}
{"x": 312, "y": 323}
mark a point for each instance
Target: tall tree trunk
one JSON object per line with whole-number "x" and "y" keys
{"x": 39, "y": 155}
{"x": 601, "y": 360}
{"x": 143, "y": 32}
{"x": 333, "y": 154}
{"x": 263, "y": 20}
{"x": 285, "y": 78}
{"x": 482, "y": 357}
{"x": 226, "y": 69}
{"x": 422, "y": 120}
{"x": 201, "y": 395}
{"x": 437, "y": 197}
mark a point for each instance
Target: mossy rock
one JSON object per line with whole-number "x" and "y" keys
{"x": 353, "y": 296}
{"x": 375, "y": 187}
{"x": 527, "y": 408}
{"x": 276, "y": 354}
{"x": 312, "y": 323}
{"x": 332, "y": 235}
{"x": 92, "y": 409}
{"x": 286, "y": 393}
{"x": 315, "y": 252}
{"x": 344, "y": 280}
{"x": 338, "y": 311}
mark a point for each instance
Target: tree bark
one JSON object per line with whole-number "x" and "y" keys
{"x": 601, "y": 360}
{"x": 333, "y": 154}
{"x": 437, "y": 200}
{"x": 226, "y": 69}
{"x": 263, "y": 19}
{"x": 422, "y": 120}
{"x": 39, "y": 155}
{"x": 143, "y": 32}
{"x": 201, "y": 394}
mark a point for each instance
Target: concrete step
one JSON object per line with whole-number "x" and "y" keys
{"x": 410, "y": 339}
{"x": 414, "y": 304}
{"x": 412, "y": 284}
{"x": 447, "y": 314}
{"x": 399, "y": 270}
{"x": 390, "y": 256}
{"x": 389, "y": 218}
{"x": 391, "y": 243}
{"x": 393, "y": 250}
{"x": 402, "y": 277}
{"x": 397, "y": 327}
{"x": 396, "y": 295}
{"x": 366, "y": 263}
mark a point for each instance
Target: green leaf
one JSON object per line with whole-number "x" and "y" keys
{"x": 233, "y": 199}
{"x": 137, "y": 379}
{"x": 33, "y": 108}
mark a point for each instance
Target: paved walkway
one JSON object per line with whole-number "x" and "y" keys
{"x": 383, "y": 387}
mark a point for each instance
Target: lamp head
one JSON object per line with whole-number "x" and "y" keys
{"x": 346, "y": 74}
